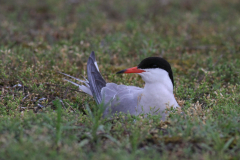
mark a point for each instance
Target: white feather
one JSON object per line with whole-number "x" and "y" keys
{"x": 81, "y": 87}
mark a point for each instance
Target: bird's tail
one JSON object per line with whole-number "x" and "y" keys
{"x": 95, "y": 82}
{"x": 85, "y": 88}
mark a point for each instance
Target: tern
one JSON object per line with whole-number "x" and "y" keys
{"x": 154, "y": 98}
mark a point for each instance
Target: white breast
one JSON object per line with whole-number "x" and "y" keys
{"x": 157, "y": 93}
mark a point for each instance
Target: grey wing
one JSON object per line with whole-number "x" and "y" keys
{"x": 121, "y": 98}
{"x": 96, "y": 81}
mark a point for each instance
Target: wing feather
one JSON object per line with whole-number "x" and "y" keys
{"x": 121, "y": 98}
{"x": 95, "y": 79}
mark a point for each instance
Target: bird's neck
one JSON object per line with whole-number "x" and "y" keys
{"x": 163, "y": 86}
{"x": 158, "y": 88}
{"x": 159, "y": 94}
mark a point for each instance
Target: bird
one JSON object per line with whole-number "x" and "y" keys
{"x": 153, "y": 98}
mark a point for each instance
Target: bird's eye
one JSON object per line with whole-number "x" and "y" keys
{"x": 154, "y": 66}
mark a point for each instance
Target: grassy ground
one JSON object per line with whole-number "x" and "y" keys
{"x": 44, "y": 117}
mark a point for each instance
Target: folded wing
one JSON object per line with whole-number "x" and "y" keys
{"x": 121, "y": 98}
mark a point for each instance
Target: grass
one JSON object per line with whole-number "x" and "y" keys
{"x": 44, "y": 117}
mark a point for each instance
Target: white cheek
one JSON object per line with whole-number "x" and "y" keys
{"x": 154, "y": 75}
{"x": 146, "y": 76}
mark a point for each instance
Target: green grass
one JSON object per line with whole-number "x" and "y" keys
{"x": 38, "y": 39}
